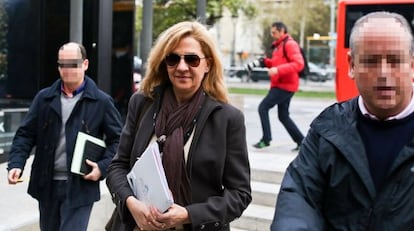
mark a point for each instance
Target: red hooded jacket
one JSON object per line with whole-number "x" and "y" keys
{"x": 287, "y": 77}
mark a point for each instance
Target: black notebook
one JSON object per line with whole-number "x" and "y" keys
{"x": 86, "y": 147}
{"x": 91, "y": 152}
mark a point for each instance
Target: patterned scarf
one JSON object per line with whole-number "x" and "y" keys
{"x": 173, "y": 122}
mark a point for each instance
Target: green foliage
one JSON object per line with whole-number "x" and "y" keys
{"x": 267, "y": 40}
{"x": 303, "y": 94}
{"x": 236, "y": 6}
{"x": 167, "y": 13}
{"x": 165, "y": 16}
{"x": 317, "y": 19}
{"x": 138, "y": 17}
{"x": 313, "y": 13}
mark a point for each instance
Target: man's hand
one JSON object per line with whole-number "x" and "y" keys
{"x": 272, "y": 71}
{"x": 95, "y": 174}
{"x": 14, "y": 175}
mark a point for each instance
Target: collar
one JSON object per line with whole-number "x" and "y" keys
{"x": 404, "y": 113}
{"x": 76, "y": 91}
{"x": 280, "y": 40}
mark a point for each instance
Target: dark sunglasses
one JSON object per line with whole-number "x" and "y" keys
{"x": 70, "y": 63}
{"x": 173, "y": 59}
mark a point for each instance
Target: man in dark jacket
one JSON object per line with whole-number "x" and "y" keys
{"x": 284, "y": 82}
{"x": 355, "y": 168}
{"x": 72, "y": 104}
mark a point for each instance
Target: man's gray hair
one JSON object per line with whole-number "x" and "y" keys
{"x": 380, "y": 14}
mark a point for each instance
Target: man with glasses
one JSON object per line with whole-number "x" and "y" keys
{"x": 284, "y": 65}
{"x": 70, "y": 105}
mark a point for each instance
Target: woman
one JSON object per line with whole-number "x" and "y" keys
{"x": 183, "y": 104}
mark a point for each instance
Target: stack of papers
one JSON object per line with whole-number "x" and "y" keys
{"x": 147, "y": 179}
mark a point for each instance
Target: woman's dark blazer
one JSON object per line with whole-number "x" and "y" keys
{"x": 217, "y": 164}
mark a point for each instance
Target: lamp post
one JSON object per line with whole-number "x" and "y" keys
{"x": 146, "y": 34}
{"x": 331, "y": 33}
{"x": 233, "y": 45}
{"x": 201, "y": 11}
{"x": 76, "y": 19}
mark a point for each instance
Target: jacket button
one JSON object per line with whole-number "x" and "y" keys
{"x": 216, "y": 224}
{"x": 202, "y": 226}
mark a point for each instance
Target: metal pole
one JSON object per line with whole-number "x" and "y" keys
{"x": 302, "y": 30}
{"x": 233, "y": 45}
{"x": 307, "y": 49}
{"x": 201, "y": 11}
{"x": 76, "y": 21}
{"x": 104, "y": 45}
{"x": 146, "y": 34}
{"x": 332, "y": 32}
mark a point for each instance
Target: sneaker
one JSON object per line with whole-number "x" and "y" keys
{"x": 261, "y": 144}
{"x": 296, "y": 149}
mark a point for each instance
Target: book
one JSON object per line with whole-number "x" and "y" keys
{"x": 148, "y": 181}
{"x": 86, "y": 147}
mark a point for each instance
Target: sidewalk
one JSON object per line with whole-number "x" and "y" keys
{"x": 19, "y": 211}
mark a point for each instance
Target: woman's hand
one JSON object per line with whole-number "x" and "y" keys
{"x": 175, "y": 216}
{"x": 142, "y": 215}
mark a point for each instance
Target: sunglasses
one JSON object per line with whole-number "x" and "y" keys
{"x": 173, "y": 59}
{"x": 70, "y": 63}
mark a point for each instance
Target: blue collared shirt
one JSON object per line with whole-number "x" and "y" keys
{"x": 76, "y": 91}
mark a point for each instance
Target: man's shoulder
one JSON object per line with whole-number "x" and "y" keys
{"x": 49, "y": 91}
{"x": 339, "y": 111}
{"x": 290, "y": 41}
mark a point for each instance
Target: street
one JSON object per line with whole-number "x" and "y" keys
{"x": 302, "y": 110}
{"x": 304, "y": 85}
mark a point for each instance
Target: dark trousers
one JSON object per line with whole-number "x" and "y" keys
{"x": 57, "y": 215}
{"x": 282, "y": 99}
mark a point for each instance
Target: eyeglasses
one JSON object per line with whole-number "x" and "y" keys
{"x": 70, "y": 63}
{"x": 173, "y": 59}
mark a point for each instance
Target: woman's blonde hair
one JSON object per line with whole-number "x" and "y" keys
{"x": 156, "y": 73}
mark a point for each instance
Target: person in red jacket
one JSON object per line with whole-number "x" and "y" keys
{"x": 284, "y": 82}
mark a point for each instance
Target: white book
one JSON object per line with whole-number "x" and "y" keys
{"x": 148, "y": 181}
{"x": 86, "y": 147}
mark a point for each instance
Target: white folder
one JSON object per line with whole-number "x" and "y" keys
{"x": 148, "y": 181}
